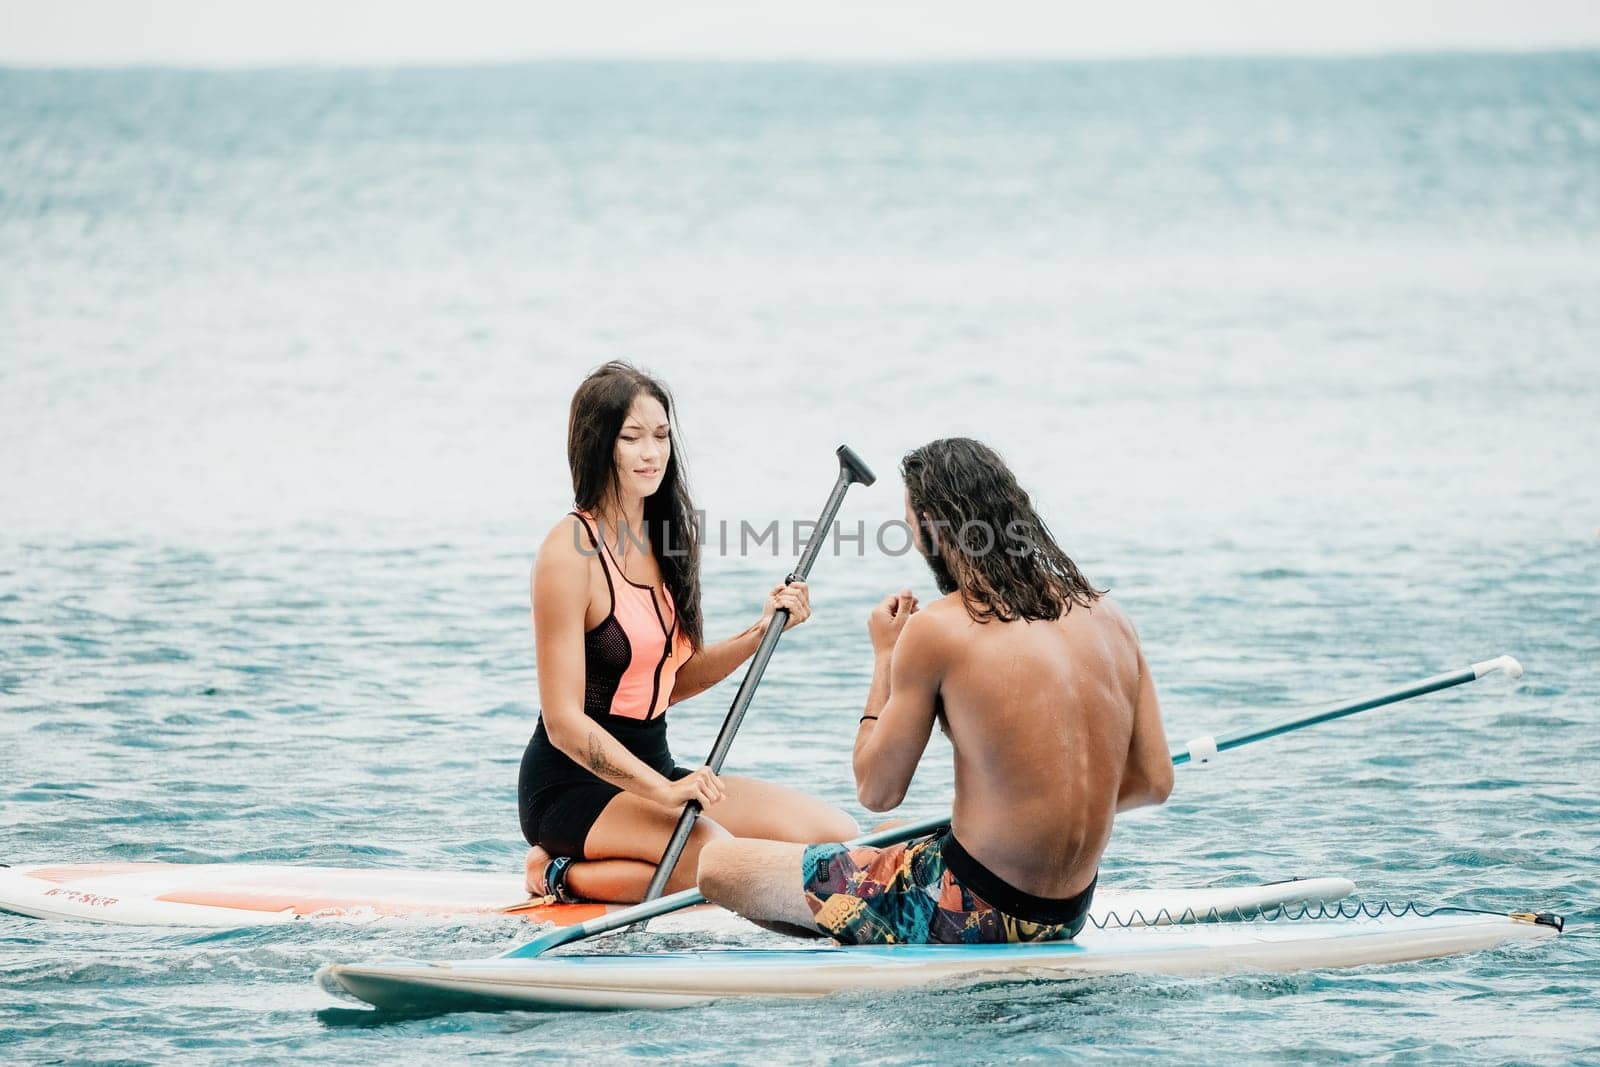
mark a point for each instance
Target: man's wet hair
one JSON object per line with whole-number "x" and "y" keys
{"x": 984, "y": 538}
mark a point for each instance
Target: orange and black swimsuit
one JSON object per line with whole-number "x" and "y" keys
{"x": 630, "y": 662}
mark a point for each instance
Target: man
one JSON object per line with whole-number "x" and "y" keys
{"x": 1037, "y": 679}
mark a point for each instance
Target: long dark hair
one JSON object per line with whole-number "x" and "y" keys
{"x": 984, "y": 537}
{"x": 599, "y": 408}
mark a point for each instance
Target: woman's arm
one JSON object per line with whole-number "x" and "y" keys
{"x": 560, "y": 594}
{"x": 712, "y": 663}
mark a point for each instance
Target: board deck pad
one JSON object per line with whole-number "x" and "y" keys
{"x": 682, "y": 979}
{"x": 232, "y": 895}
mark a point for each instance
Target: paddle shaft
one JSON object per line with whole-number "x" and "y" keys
{"x": 565, "y": 935}
{"x": 1203, "y": 749}
{"x": 851, "y": 470}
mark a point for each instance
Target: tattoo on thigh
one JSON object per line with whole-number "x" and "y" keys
{"x": 600, "y": 763}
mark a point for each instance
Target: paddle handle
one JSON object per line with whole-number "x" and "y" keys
{"x": 851, "y": 470}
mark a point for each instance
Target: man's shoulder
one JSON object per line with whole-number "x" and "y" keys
{"x": 1110, "y": 612}
{"x": 1105, "y": 602}
{"x": 1112, "y": 628}
{"x": 945, "y": 615}
{"x": 935, "y": 627}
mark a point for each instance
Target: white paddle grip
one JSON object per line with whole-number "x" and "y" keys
{"x": 1512, "y": 668}
{"x": 1202, "y": 749}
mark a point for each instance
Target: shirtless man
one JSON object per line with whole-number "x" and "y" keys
{"x": 1037, "y": 679}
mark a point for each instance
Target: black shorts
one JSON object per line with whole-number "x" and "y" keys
{"x": 558, "y": 809}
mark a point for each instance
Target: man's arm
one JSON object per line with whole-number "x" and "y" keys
{"x": 1147, "y": 778}
{"x": 899, "y": 718}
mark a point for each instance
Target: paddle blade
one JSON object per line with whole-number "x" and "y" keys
{"x": 552, "y": 938}
{"x": 565, "y": 935}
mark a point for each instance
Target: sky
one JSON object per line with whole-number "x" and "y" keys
{"x": 233, "y": 33}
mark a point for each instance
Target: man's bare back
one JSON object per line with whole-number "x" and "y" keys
{"x": 1041, "y": 715}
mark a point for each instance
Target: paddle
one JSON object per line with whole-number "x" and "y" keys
{"x": 851, "y": 469}
{"x": 1200, "y": 750}
{"x": 1205, "y": 749}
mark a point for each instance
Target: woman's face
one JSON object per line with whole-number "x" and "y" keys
{"x": 643, "y": 447}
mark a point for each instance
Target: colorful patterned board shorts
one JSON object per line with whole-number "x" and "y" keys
{"x": 906, "y": 894}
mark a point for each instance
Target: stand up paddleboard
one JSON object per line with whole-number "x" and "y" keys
{"x": 228, "y": 895}
{"x": 681, "y": 979}
{"x": 231, "y": 895}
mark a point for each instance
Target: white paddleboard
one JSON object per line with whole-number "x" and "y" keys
{"x": 230, "y": 895}
{"x": 681, "y": 979}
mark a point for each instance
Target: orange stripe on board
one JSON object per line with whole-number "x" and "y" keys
{"x": 76, "y": 871}
{"x": 560, "y": 914}
{"x": 243, "y": 900}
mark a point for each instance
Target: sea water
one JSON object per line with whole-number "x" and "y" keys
{"x": 1301, "y": 359}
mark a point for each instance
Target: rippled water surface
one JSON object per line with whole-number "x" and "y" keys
{"x": 1299, "y": 358}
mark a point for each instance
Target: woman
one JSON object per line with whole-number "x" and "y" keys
{"x": 617, "y": 624}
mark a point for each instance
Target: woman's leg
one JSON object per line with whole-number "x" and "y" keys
{"x": 754, "y": 808}
{"x": 617, "y": 877}
{"x": 533, "y": 868}
{"x": 627, "y": 841}
{"x": 628, "y": 837}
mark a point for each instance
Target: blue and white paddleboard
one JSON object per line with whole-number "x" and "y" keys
{"x": 229, "y": 895}
{"x": 681, "y": 979}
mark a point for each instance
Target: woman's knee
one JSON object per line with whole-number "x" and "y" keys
{"x": 827, "y": 823}
{"x": 706, "y": 831}
{"x": 706, "y": 834}
{"x": 839, "y": 827}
